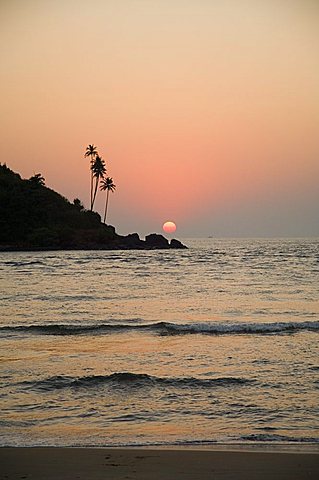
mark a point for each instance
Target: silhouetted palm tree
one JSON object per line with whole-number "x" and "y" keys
{"x": 91, "y": 151}
{"x": 98, "y": 171}
{"x": 108, "y": 185}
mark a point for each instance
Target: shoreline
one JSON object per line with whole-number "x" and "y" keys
{"x": 216, "y": 462}
{"x": 271, "y": 447}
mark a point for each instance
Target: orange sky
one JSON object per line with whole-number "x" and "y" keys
{"x": 206, "y": 111}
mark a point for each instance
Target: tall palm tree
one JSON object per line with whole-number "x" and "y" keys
{"x": 108, "y": 185}
{"x": 98, "y": 171}
{"x": 91, "y": 151}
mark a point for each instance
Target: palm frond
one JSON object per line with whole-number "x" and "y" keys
{"x": 107, "y": 184}
{"x": 91, "y": 150}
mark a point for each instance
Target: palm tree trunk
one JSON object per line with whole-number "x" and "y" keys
{"x": 95, "y": 190}
{"x": 91, "y": 195}
{"x": 106, "y": 204}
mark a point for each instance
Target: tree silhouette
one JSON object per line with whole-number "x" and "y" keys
{"x": 78, "y": 204}
{"x": 98, "y": 171}
{"x": 37, "y": 179}
{"x": 91, "y": 151}
{"x": 108, "y": 186}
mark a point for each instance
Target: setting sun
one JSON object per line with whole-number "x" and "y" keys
{"x": 169, "y": 227}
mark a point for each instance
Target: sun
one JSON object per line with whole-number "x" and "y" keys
{"x": 169, "y": 227}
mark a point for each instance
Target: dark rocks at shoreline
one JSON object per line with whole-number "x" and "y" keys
{"x": 153, "y": 241}
{"x": 176, "y": 244}
{"x": 156, "y": 241}
{"x": 132, "y": 241}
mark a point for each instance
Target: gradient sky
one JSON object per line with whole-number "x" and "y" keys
{"x": 205, "y": 111}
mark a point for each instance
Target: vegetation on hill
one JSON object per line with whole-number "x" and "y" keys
{"x": 34, "y": 216}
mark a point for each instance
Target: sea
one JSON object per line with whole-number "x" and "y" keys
{"x": 216, "y": 344}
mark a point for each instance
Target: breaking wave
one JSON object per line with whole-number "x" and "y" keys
{"x": 278, "y": 438}
{"x": 168, "y": 328}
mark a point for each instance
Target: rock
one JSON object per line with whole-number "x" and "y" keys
{"x": 155, "y": 240}
{"x": 176, "y": 244}
{"x": 131, "y": 241}
{"x": 152, "y": 241}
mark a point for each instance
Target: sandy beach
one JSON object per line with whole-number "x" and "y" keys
{"x": 193, "y": 464}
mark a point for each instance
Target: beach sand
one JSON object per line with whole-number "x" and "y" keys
{"x": 172, "y": 464}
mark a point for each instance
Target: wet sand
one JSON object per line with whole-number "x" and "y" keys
{"x": 156, "y": 464}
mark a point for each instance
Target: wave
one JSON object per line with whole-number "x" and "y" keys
{"x": 265, "y": 437}
{"x": 23, "y": 263}
{"x": 168, "y": 328}
{"x": 132, "y": 380}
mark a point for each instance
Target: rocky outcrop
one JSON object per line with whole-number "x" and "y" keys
{"x": 176, "y": 244}
{"x": 153, "y": 241}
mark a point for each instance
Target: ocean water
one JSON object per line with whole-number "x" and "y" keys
{"x": 217, "y": 343}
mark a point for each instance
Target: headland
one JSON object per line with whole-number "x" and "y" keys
{"x": 34, "y": 217}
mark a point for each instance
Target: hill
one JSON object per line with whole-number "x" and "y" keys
{"x": 35, "y": 217}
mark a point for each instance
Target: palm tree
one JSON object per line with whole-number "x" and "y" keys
{"x": 108, "y": 185}
{"x": 98, "y": 171}
{"x": 91, "y": 151}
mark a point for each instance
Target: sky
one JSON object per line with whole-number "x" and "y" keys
{"x": 206, "y": 112}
